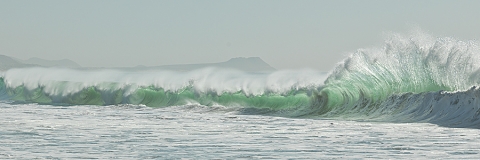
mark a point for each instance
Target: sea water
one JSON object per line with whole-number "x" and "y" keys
{"x": 31, "y": 131}
{"x": 416, "y": 97}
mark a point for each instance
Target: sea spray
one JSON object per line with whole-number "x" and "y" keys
{"x": 413, "y": 78}
{"x": 416, "y": 63}
{"x": 209, "y": 86}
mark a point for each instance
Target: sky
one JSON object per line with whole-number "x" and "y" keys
{"x": 286, "y": 34}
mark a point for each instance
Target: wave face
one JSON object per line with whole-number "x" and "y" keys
{"x": 413, "y": 78}
{"x": 407, "y": 77}
{"x": 208, "y": 87}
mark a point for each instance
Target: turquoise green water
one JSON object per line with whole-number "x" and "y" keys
{"x": 416, "y": 74}
{"x": 416, "y": 97}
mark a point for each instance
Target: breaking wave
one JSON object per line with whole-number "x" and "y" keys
{"x": 414, "y": 78}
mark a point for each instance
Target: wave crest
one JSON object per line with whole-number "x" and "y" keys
{"x": 416, "y": 63}
{"x": 415, "y": 78}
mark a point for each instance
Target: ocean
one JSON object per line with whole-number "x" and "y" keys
{"x": 415, "y": 97}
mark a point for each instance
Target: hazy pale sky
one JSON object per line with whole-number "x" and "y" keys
{"x": 286, "y": 34}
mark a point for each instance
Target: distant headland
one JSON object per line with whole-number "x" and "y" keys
{"x": 7, "y": 62}
{"x": 248, "y": 64}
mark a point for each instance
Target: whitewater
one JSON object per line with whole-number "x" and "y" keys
{"x": 417, "y": 96}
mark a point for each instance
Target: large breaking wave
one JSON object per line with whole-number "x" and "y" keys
{"x": 419, "y": 77}
{"x": 208, "y": 87}
{"x": 415, "y": 78}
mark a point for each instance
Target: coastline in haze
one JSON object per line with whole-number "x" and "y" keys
{"x": 249, "y": 64}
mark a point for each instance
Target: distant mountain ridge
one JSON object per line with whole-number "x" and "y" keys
{"x": 52, "y": 63}
{"x": 7, "y": 62}
{"x": 250, "y": 64}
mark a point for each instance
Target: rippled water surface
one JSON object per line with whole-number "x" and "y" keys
{"x": 29, "y": 131}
